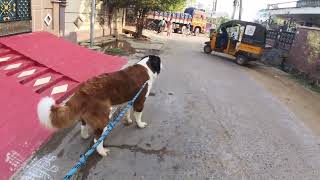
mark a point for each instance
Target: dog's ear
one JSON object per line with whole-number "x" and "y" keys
{"x": 154, "y": 63}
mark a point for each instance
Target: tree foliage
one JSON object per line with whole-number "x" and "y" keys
{"x": 178, "y": 7}
{"x": 159, "y": 5}
{"x": 219, "y": 20}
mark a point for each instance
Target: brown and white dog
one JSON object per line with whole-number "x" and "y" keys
{"x": 92, "y": 102}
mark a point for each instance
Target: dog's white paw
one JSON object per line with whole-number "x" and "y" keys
{"x": 142, "y": 124}
{"x": 103, "y": 151}
{"x": 85, "y": 135}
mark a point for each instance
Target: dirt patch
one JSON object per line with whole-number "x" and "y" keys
{"x": 118, "y": 48}
{"x": 304, "y": 103}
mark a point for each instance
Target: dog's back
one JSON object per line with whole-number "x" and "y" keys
{"x": 118, "y": 87}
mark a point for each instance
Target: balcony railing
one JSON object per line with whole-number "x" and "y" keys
{"x": 308, "y": 3}
{"x": 295, "y": 4}
{"x": 15, "y": 10}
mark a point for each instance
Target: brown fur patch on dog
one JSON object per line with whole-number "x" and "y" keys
{"x": 94, "y": 98}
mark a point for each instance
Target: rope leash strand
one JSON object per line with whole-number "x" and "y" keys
{"x": 83, "y": 158}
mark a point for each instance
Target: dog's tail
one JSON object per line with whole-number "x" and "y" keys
{"x": 52, "y": 115}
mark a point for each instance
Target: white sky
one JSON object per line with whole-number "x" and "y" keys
{"x": 250, "y": 7}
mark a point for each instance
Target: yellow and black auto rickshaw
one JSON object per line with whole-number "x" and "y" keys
{"x": 245, "y": 41}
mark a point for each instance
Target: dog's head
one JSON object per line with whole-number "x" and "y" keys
{"x": 154, "y": 63}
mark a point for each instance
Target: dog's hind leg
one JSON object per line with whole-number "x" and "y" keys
{"x": 128, "y": 116}
{"x": 98, "y": 118}
{"x": 84, "y": 130}
{"x": 100, "y": 148}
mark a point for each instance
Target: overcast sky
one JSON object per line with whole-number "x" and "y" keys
{"x": 250, "y": 7}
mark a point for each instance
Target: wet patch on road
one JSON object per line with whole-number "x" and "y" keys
{"x": 152, "y": 94}
{"x": 135, "y": 148}
{"x": 91, "y": 163}
{"x": 60, "y": 153}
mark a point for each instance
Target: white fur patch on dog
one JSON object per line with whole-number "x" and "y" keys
{"x": 44, "y": 110}
{"x": 137, "y": 116}
{"x": 152, "y": 75}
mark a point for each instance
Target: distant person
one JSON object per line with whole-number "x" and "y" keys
{"x": 285, "y": 26}
{"x": 189, "y": 29}
{"x": 223, "y": 39}
{"x": 169, "y": 27}
{"x": 161, "y": 25}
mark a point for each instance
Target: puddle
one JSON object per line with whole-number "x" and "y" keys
{"x": 122, "y": 48}
{"x": 152, "y": 94}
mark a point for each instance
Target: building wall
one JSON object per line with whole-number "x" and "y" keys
{"x": 305, "y": 52}
{"x": 71, "y": 18}
{"x": 77, "y": 20}
{"x": 45, "y": 9}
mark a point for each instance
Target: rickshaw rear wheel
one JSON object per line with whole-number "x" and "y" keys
{"x": 184, "y": 30}
{"x": 197, "y": 31}
{"x": 241, "y": 60}
{"x": 207, "y": 49}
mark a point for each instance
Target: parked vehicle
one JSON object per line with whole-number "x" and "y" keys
{"x": 196, "y": 17}
{"x": 245, "y": 41}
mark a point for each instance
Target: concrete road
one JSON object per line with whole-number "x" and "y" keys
{"x": 208, "y": 119}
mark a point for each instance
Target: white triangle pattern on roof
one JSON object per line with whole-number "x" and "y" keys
{"x": 27, "y": 73}
{"x": 41, "y": 81}
{"x": 13, "y": 66}
{"x": 59, "y": 89}
{"x": 4, "y": 59}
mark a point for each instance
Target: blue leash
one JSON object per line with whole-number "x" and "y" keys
{"x": 110, "y": 126}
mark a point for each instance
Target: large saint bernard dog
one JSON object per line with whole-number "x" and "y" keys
{"x": 92, "y": 102}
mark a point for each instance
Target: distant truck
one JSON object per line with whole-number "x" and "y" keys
{"x": 196, "y": 17}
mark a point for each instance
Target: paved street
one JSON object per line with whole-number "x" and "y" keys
{"x": 207, "y": 119}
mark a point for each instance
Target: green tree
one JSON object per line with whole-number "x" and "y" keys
{"x": 179, "y": 7}
{"x": 142, "y": 7}
{"x": 220, "y": 20}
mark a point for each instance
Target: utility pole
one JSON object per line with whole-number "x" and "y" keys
{"x": 235, "y": 4}
{"x": 240, "y": 9}
{"x": 93, "y": 12}
{"x": 214, "y": 6}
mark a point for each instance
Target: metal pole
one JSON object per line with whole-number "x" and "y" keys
{"x": 214, "y": 6}
{"x": 240, "y": 10}
{"x": 93, "y": 12}
{"x": 235, "y": 2}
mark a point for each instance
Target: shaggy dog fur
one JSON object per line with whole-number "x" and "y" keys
{"x": 92, "y": 102}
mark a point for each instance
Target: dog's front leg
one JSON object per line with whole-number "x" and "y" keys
{"x": 137, "y": 116}
{"x": 138, "y": 107}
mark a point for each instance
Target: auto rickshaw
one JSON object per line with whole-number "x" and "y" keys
{"x": 245, "y": 41}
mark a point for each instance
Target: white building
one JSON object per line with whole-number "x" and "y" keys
{"x": 304, "y": 12}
